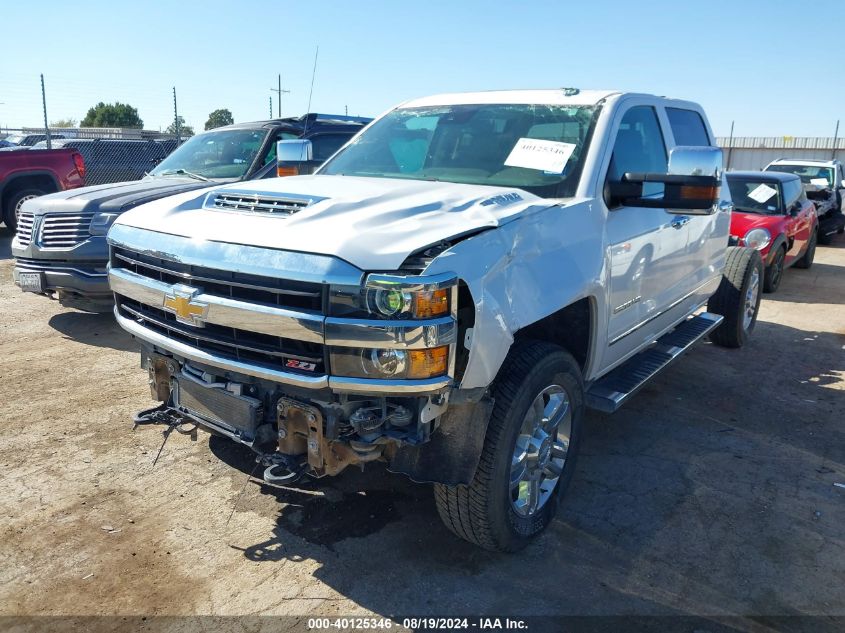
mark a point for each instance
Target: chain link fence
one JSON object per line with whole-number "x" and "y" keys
{"x": 110, "y": 154}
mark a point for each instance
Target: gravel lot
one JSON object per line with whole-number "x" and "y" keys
{"x": 712, "y": 493}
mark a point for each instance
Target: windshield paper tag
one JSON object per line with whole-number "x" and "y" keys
{"x": 819, "y": 182}
{"x": 762, "y": 193}
{"x": 548, "y": 156}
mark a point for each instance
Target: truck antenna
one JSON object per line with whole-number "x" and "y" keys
{"x": 311, "y": 92}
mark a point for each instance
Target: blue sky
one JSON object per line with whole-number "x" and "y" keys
{"x": 762, "y": 64}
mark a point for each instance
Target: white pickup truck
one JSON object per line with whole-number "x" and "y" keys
{"x": 448, "y": 293}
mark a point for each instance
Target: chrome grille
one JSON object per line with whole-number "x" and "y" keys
{"x": 259, "y": 204}
{"x": 236, "y": 343}
{"x": 283, "y": 293}
{"x": 240, "y": 345}
{"x": 25, "y": 221}
{"x": 64, "y": 231}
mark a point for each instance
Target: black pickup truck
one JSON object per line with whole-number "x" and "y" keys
{"x": 65, "y": 253}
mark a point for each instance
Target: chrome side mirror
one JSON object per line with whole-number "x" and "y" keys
{"x": 294, "y": 151}
{"x": 293, "y": 157}
{"x": 696, "y": 161}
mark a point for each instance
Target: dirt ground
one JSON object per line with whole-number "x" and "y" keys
{"x": 712, "y": 493}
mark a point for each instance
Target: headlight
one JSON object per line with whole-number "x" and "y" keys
{"x": 101, "y": 223}
{"x": 398, "y": 304}
{"x": 757, "y": 239}
{"x": 412, "y": 364}
{"x": 395, "y": 297}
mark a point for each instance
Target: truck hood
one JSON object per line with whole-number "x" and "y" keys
{"x": 372, "y": 223}
{"x": 114, "y": 197}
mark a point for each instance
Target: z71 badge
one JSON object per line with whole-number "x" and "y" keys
{"x": 301, "y": 364}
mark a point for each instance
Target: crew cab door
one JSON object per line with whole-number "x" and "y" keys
{"x": 647, "y": 247}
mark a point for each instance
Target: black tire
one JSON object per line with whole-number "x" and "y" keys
{"x": 730, "y": 299}
{"x": 810, "y": 254}
{"x": 11, "y": 209}
{"x": 774, "y": 271}
{"x": 483, "y": 512}
{"x": 825, "y": 239}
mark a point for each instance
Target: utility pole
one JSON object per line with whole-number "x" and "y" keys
{"x": 176, "y": 119}
{"x": 730, "y": 146}
{"x": 280, "y": 92}
{"x": 44, "y": 105}
{"x": 835, "y": 139}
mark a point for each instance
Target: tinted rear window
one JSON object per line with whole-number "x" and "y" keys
{"x": 687, "y": 127}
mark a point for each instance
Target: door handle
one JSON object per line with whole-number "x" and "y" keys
{"x": 680, "y": 221}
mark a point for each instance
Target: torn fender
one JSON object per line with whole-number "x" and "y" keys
{"x": 524, "y": 271}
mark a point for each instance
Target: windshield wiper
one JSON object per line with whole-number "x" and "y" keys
{"x": 182, "y": 172}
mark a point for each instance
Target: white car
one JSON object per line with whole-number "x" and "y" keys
{"x": 824, "y": 181}
{"x": 447, "y": 294}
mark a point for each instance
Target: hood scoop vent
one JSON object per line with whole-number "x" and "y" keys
{"x": 253, "y": 203}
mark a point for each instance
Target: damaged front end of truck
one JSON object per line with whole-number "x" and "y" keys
{"x": 308, "y": 361}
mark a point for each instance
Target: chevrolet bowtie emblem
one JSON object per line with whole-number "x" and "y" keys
{"x": 179, "y": 300}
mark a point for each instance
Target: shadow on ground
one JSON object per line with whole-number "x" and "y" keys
{"x": 682, "y": 503}
{"x": 93, "y": 329}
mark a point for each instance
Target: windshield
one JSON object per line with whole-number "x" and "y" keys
{"x": 539, "y": 148}
{"x": 223, "y": 154}
{"x": 809, "y": 174}
{"x": 15, "y": 138}
{"x": 756, "y": 196}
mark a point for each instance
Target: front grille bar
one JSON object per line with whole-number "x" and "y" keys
{"x": 64, "y": 231}
{"x": 236, "y": 345}
{"x": 25, "y": 222}
{"x": 200, "y": 278}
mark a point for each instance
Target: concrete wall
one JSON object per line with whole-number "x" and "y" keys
{"x": 755, "y": 152}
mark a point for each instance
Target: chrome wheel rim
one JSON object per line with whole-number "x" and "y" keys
{"x": 540, "y": 451}
{"x": 19, "y": 206}
{"x": 751, "y": 299}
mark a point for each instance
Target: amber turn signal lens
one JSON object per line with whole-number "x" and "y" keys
{"x": 690, "y": 192}
{"x": 286, "y": 171}
{"x": 431, "y": 304}
{"x": 427, "y": 363}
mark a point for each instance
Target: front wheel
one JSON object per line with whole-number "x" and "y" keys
{"x": 529, "y": 451}
{"x": 810, "y": 254}
{"x": 738, "y": 297}
{"x": 774, "y": 272}
{"x": 14, "y": 205}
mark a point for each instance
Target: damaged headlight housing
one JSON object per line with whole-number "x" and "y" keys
{"x": 391, "y": 297}
{"x": 394, "y": 326}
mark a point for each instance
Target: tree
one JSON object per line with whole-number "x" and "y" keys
{"x": 112, "y": 115}
{"x": 64, "y": 123}
{"x": 184, "y": 130}
{"x": 219, "y": 118}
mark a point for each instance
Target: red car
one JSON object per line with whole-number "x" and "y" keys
{"x": 773, "y": 215}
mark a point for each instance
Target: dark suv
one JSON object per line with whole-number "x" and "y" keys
{"x": 65, "y": 252}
